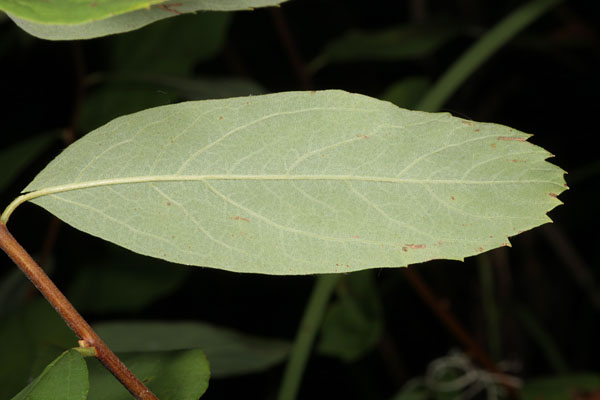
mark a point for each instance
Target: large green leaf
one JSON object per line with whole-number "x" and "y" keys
{"x": 299, "y": 183}
{"x": 64, "y": 378}
{"x": 229, "y": 352}
{"x": 170, "y": 375}
{"x": 75, "y": 19}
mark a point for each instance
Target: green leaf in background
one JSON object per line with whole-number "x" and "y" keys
{"x": 299, "y": 183}
{"x": 170, "y": 375}
{"x": 123, "y": 281}
{"x": 407, "y": 42}
{"x": 354, "y": 323}
{"x": 65, "y": 378}
{"x": 562, "y": 387}
{"x": 160, "y": 56}
{"x": 31, "y": 336}
{"x": 67, "y": 26}
{"x": 407, "y": 92}
{"x": 229, "y": 352}
{"x": 18, "y": 156}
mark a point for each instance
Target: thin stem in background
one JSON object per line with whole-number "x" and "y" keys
{"x": 580, "y": 270}
{"x": 70, "y": 315}
{"x": 490, "y": 309}
{"x": 481, "y": 51}
{"x": 305, "y": 337}
{"x": 291, "y": 49}
{"x": 455, "y": 327}
{"x": 544, "y": 341}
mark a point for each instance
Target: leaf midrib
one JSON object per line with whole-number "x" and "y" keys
{"x": 232, "y": 177}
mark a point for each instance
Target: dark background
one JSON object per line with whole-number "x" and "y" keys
{"x": 544, "y": 82}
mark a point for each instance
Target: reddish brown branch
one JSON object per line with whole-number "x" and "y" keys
{"x": 290, "y": 47}
{"x": 75, "y": 321}
{"x": 455, "y": 327}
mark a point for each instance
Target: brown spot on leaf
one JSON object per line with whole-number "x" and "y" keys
{"x": 168, "y": 203}
{"x": 415, "y": 246}
{"x": 467, "y": 123}
{"x": 356, "y": 237}
{"x": 493, "y": 145}
{"x": 94, "y": 4}
{"x": 451, "y": 197}
{"x": 404, "y": 248}
{"x": 238, "y": 218}
{"x": 512, "y": 138}
{"x": 477, "y": 130}
{"x": 313, "y": 91}
{"x": 552, "y": 195}
{"x": 169, "y": 7}
{"x": 480, "y": 249}
{"x": 220, "y": 117}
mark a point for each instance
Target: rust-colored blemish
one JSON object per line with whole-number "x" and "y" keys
{"x": 358, "y": 135}
{"x": 415, "y": 246}
{"x": 451, "y": 197}
{"x": 519, "y": 161}
{"x": 477, "y": 130}
{"x": 238, "y": 218}
{"x": 220, "y": 117}
{"x": 467, "y": 123}
{"x": 356, "y": 237}
{"x": 168, "y": 7}
{"x": 313, "y": 91}
{"x": 480, "y": 249}
{"x": 404, "y": 248}
{"x": 512, "y": 138}
{"x": 552, "y": 195}
{"x": 94, "y": 4}
{"x": 493, "y": 145}
{"x": 168, "y": 203}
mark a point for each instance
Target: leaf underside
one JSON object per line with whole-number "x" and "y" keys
{"x": 300, "y": 183}
{"x": 86, "y": 19}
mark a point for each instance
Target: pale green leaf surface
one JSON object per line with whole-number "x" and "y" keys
{"x": 300, "y": 183}
{"x": 229, "y": 352}
{"x": 64, "y": 378}
{"x": 83, "y": 26}
{"x": 170, "y": 375}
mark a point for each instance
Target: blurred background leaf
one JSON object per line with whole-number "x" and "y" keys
{"x": 230, "y": 352}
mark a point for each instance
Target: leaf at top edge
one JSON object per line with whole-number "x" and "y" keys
{"x": 300, "y": 183}
{"x": 79, "y": 22}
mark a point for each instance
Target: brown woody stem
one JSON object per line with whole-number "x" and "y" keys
{"x": 75, "y": 321}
